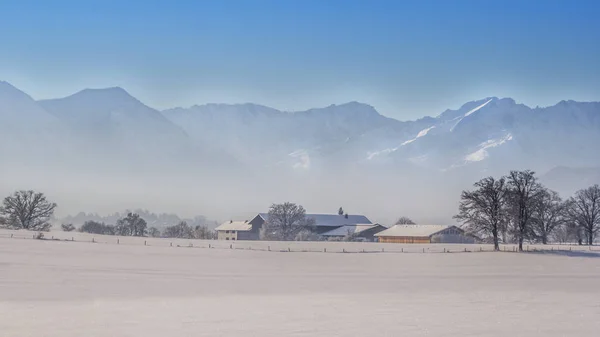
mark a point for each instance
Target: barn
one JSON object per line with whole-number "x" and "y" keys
{"x": 325, "y": 222}
{"x": 358, "y": 232}
{"x": 423, "y": 234}
{"x": 250, "y": 229}
{"x": 237, "y": 230}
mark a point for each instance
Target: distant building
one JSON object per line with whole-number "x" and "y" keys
{"x": 250, "y": 230}
{"x": 358, "y": 232}
{"x": 424, "y": 234}
{"x": 326, "y": 222}
{"x": 237, "y": 230}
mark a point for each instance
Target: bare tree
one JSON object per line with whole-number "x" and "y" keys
{"x": 67, "y": 227}
{"x": 585, "y": 212}
{"x": 549, "y": 214}
{"x": 204, "y": 233}
{"x": 482, "y": 210}
{"x": 341, "y": 211}
{"x": 27, "y": 210}
{"x": 523, "y": 193}
{"x": 568, "y": 232}
{"x": 96, "y": 227}
{"x": 131, "y": 225}
{"x": 153, "y": 232}
{"x": 181, "y": 231}
{"x": 405, "y": 221}
{"x": 286, "y": 221}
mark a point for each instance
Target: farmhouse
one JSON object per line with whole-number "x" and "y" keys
{"x": 358, "y": 232}
{"x": 423, "y": 234}
{"x": 238, "y": 230}
{"x": 250, "y": 230}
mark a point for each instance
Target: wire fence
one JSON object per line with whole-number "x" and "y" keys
{"x": 289, "y": 247}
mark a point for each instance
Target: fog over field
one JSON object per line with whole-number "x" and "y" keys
{"x": 104, "y": 151}
{"x": 65, "y": 289}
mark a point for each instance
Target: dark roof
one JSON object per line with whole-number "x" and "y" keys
{"x": 415, "y": 230}
{"x": 352, "y": 229}
{"x": 331, "y": 220}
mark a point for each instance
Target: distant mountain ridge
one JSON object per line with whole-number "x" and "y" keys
{"x": 108, "y": 130}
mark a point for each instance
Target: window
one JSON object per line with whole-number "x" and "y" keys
{"x": 226, "y": 232}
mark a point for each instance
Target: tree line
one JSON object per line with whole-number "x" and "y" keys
{"x": 31, "y": 210}
{"x": 516, "y": 208}
{"x": 134, "y": 225}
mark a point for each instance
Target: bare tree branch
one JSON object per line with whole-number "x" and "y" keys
{"x": 403, "y": 220}
{"x": 523, "y": 193}
{"x": 585, "y": 211}
{"x": 27, "y": 210}
{"x": 286, "y": 221}
{"x": 483, "y": 210}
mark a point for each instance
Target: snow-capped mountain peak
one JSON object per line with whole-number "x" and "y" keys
{"x": 470, "y": 112}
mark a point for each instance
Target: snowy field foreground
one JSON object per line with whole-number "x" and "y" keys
{"x": 278, "y": 246}
{"x": 72, "y": 289}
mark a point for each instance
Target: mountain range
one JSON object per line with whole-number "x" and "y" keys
{"x": 109, "y": 132}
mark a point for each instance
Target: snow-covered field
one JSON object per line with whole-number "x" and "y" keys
{"x": 63, "y": 288}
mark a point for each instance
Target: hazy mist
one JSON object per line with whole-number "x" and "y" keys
{"x": 104, "y": 151}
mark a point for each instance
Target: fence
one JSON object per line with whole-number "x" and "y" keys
{"x": 281, "y": 246}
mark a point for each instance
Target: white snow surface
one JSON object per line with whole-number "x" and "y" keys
{"x": 470, "y": 112}
{"x": 421, "y": 133}
{"x": 72, "y": 289}
{"x": 482, "y": 152}
{"x": 424, "y": 132}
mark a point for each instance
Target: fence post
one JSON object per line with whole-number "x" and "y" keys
{"x": 465, "y": 249}
{"x": 93, "y": 240}
{"x": 144, "y": 242}
{"x": 230, "y": 246}
{"x": 343, "y": 250}
{"x": 444, "y": 249}
{"x": 171, "y": 244}
{"x": 269, "y": 248}
{"x": 33, "y": 236}
{"x": 11, "y": 235}
{"x": 117, "y": 241}
{"x": 289, "y": 249}
{"x": 209, "y": 245}
{"x": 52, "y": 237}
{"x": 72, "y": 238}
{"x": 423, "y": 250}
{"x": 382, "y": 250}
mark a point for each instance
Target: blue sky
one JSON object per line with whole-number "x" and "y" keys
{"x": 406, "y": 58}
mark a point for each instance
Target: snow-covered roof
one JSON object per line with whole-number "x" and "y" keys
{"x": 414, "y": 230}
{"x": 350, "y": 229}
{"x": 332, "y": 220}
{"x": 235, "y": 226}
